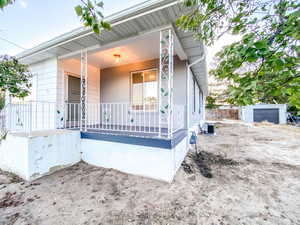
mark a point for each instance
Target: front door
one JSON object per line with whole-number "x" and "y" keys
{"x": 73, "y": 98}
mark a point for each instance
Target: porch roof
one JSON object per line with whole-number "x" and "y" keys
{"x": 126, "y": 24}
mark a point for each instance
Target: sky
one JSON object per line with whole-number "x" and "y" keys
{"x": 28, "y": 23}
{"x": 31, "y": 22}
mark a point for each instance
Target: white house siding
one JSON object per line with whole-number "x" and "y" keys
{"x": 72, "y": 67}
{"x": 196, "y": 116}
{"x": 46, "y": 72}
{"x": 45, "y": 91}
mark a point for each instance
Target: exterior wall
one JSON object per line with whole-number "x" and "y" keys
{"x": 180, "y": 152}
{"x": 46, "y": 72}
{"x": 115, "y": 85}
{"x": 14, "y": 155}
{"x": 157, "y": 163}
{"x": 33, "y": 156}
{"x": 247, "y": 111}
{"x": 196, "y": 116}
{"x": 45, "y": 81}
{"x": 115, "y": 81}
{"x": 72, "y": 67}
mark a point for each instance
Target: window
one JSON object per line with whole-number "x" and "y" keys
{"x": 144, "y": 89}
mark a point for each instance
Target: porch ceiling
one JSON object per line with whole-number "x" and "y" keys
{"x": 126, "y": 24}
{"x": 141, "y": 49}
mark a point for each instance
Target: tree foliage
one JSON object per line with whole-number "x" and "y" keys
{"x": 264, "y": 65}
{"x": 211, "y": 102}
{"x": 14, "y": 77}
{"x": 4, "y": 3}
{"x": 91, "y": 15}
{"x": 2, "y": 100}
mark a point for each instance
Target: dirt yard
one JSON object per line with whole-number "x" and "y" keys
{"x": 243, "y": 175}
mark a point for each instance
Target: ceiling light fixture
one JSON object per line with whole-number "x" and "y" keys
{"x": 117, "y": 57}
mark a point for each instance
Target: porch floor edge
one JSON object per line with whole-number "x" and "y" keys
{"x": 156, "y": 142}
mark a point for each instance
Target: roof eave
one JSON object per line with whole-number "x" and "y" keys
{"x": 113, "y": 19}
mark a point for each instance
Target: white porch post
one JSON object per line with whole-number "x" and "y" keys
{"x": 83, "y": 90}
{"x": 166, "y": 81}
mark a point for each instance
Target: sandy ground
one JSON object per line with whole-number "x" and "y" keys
{"x": 255, "y": 179}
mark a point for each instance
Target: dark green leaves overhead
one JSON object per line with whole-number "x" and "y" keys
{"x": 4, "y": 3}
{"x": 90, "y": 14}
{"x": 78, "y": 10}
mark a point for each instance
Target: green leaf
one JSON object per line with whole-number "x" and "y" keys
{"x": 78, "y": 10}
{"x": 96, "y": 28}
{"x": 105, "y": 25}
{"x": 261, "y": 44}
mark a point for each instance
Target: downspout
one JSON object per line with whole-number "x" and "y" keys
{"x": 188, "y": 66}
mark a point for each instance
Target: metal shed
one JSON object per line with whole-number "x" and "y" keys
{"x": 274, "y": 113}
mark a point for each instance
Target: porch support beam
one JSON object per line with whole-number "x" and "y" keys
{"x": 83, "y": 90}
{"x": 166, "y": 68}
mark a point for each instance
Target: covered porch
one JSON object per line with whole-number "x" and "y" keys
{"x": 127, "y": 89}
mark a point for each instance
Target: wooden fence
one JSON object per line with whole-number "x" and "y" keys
{"x": 219, "y": 114}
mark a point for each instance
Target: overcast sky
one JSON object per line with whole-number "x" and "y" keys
{"x": 31, "y": 22}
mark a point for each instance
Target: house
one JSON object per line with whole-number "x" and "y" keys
{"x": 129, "y": 99}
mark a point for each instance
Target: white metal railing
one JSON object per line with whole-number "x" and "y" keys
{"x": 123, "y": 117}
{"x": 70, "y": 117}
{"x": 128, "y": 117}
{"x": 30, "y": 116}
{"x": 178, "y": 117}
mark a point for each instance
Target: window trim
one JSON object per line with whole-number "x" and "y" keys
{"x": 131, "y": 86}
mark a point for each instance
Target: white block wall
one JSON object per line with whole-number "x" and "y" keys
{"x": 33, "y": 156}
{"x": 157, "y": 163}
